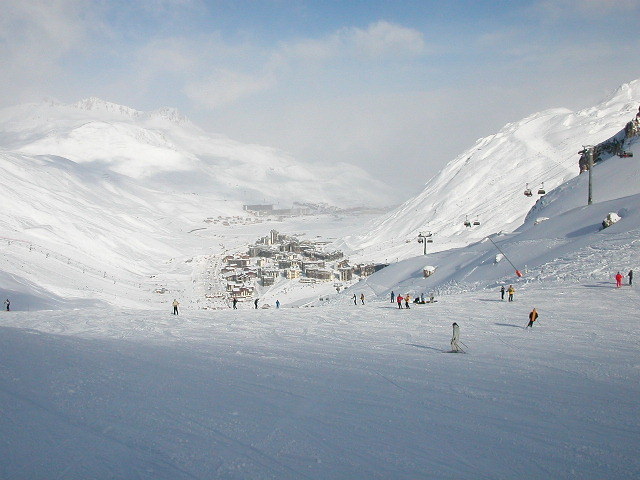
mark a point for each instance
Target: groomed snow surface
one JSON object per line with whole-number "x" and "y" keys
{"x": 338, "y": 392}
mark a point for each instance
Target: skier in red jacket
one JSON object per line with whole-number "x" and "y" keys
{"x": 618, "y": 279}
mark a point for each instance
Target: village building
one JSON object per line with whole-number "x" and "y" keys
{"x": 345, "y": 273}
{"x": 320, "y": 274}
{"x": 311, "y": 264}
{"x": 365, "y": 270}
{"x": 292, "y": 273}
{"x": 260, "y": 210}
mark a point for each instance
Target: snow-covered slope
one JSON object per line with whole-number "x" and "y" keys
{"x": 486, "y": 182}
{"x": 166, "y": 151}
{"x": 570, "y": 245}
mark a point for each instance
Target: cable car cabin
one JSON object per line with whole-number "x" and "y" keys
{"x": 527, "y": 191}
{"x": 541, "y": 191}
{"x": 476, "y": 222}
{"x": 429, "y": 240}
{"x": 467, "y": 223}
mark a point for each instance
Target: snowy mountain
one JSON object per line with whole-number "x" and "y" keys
{"x": 100, "y": 199}
{"x": 164, "y": 150}
{"x": 487, "y": 181}
{"x": 562, "y": 239}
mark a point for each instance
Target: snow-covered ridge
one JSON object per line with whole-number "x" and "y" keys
{"x": 486, "y": 182}
{"x": 95, "y": 104}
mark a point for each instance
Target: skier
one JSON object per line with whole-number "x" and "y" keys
{"x": 393, "y": 297}
{"x": 175, "y": 306}
{"x": 277, "y": 303}
{"x": 399, "y": 299}
{"x": 255, "y": 303}
{"x": 454, "y": 340}
{"x": 533, "y": 315}
{"x": 8, "y": 304}
{"x": 355, "y": 299}
{"x": 630, "y": 275}
{"x": 235, "y": 302}
{"x": 502, "y": 293}
{"x": 511, "y": 291}
{"x": 618, "y": 279}
{"x": 406, "y": 301}
{"x": 362, "y": 298}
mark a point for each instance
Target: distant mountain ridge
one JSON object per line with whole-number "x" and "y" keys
{"x": 168, "y": 152}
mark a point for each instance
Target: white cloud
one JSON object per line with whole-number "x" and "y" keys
{"x": 377, "y": 40}
{"x": 225, "y": 86}
{"x": 384, "y": 38}
{"x": 35, "y": 36}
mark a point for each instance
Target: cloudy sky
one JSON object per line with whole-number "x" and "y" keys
{"x": 398, "y": 87}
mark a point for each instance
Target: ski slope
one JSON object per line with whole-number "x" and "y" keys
{"x": 341, "y": 392}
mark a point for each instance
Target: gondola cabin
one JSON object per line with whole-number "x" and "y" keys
{"x": 541, "y": 190}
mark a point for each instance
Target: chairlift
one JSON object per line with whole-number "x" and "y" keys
{"x": 527, "y": 191}
{"x": 541, "y": 191}
{"x": 467, "y": 223}
{"x": 476, "y": 222}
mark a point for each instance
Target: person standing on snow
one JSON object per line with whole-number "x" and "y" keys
{"x": 355, "y": 299}
{"x": 406, "y": 300}
{"x": 235, "y": 302}
{"x": 502, "y": 293}
{"x": 630, "y": 275}
{"x": 277, "y": 303}
{"x": 393, "y": 297}
{"x": 255, "y": 303}
{"x": 362, "y": 298}
{"x": 399, "y": 299}
{"x": 618, "y": 279}
{"x": 456, "y": 337}
{"x": 533, "y": 316}
{"x": 8, "y": 304}
{"x": 175, "y": 306}
{"x": 511, "y": 291}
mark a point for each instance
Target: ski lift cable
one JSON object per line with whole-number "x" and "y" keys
{"x": 500, "y": 250}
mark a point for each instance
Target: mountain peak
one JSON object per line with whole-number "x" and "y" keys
{"x": 170, "y": 114}
{"x": 96, "y": 104}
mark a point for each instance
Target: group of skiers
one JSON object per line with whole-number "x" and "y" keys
{"x": 619, "y": 278}
{"x": 511, "y": 291}
{"x": 355, "y": 299}
{"x": 234, "y": 303}
{"x": 400, "y": 299}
